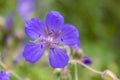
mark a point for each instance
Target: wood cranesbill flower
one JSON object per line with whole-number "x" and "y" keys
{"x": 50, "y": 34}
{"x": 25, "y": 8}
{"x": 4, "y": 75}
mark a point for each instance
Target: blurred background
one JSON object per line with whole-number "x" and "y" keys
{"x": 98, "y": 22}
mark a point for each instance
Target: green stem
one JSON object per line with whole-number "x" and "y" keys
{"x": 76, "y": 72}
{"x": 91, "y": 69}
{"x": 13, "y": 73}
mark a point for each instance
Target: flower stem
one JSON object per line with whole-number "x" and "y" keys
{"x": 91, "y": 69}
{"x": 3, "y": 65}
{"x": 13, "y": 73}
{"x": 76, "y": 72}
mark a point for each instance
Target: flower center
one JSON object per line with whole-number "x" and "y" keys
{"x": 50, "y": 39}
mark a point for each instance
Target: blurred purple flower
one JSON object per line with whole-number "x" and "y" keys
{"x": 25, "y": 8}
{"x": 51, "y": 33}
{"x": 9, "y": 39}
{"x": 86, "y": 60}
{"x": 4, "y": 75}
{"x": 9, "y": 21}
{"x": 18, "y": 58}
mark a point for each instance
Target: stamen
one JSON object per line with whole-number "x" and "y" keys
{"x": 50, "y": 39}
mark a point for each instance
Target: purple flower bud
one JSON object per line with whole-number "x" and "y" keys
{"x": 4, "y": 76}
{"x": 25, "y": 8}
{"x": 86, "y": 60}
{"x": 9, "y": 21}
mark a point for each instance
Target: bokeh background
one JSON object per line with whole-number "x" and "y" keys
{"x": 98, "y": 22}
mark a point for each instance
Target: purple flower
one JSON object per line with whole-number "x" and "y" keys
{"x": 9, "y": 21}
{"x": 18, "y": 58}
{"x": 4, "y": 76}
{"x": 86, "y": 60}
{"x": 50, "y": 34}
{"x": 77, "y": 46}
{"x": 25, "y": 8}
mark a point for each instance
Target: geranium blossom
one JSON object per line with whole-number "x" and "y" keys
{"x": 50, "y": 34}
